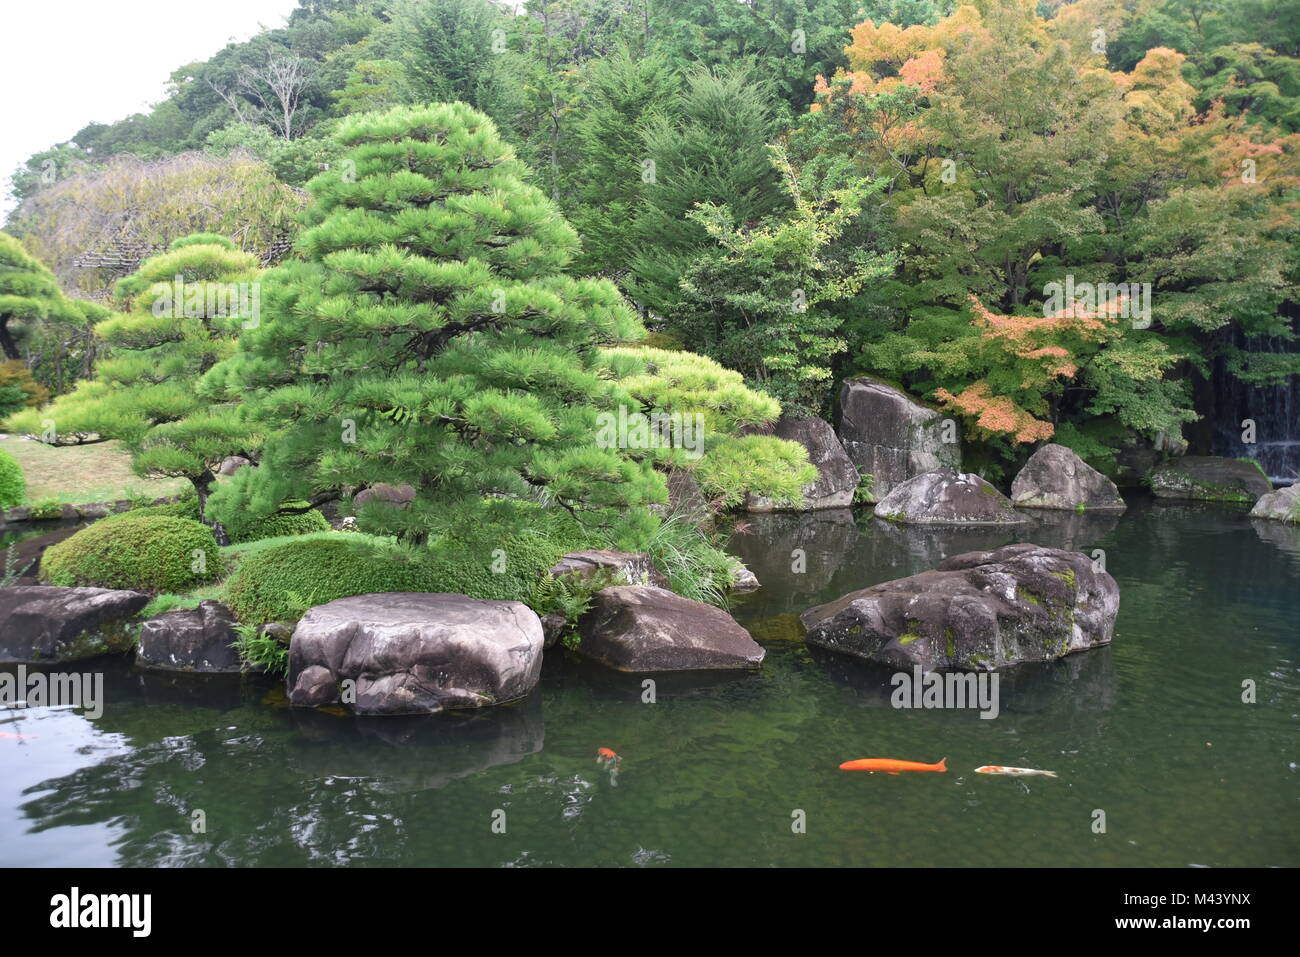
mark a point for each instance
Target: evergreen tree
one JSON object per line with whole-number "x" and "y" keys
{"x": 182, "y": 312}
{"x": 29, "y": 296}
{"x": 453, "y": 50}
{"x": 714, "y": 151}
{"x": 623, "y": 93}
{"x": 431, "y": 339}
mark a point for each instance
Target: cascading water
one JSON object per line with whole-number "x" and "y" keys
{"x": 1274, "y": 409}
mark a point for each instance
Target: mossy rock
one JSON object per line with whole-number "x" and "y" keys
{"x": 1211, "y": 479}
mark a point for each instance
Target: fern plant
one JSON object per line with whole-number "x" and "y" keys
{"x": 256, "y": 648}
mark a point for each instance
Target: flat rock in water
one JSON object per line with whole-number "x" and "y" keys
{"x": 640, "y": 628}
{"x": 1280, "y": 506}
{"x": 191, "y": 639}
{"x": 978, "y": 612}
{"x": 1210, "y": 478}
{"x": 45, "y": 623}
{"x": 414, "y": 653}
{"x": 1056, "y": 478}
{"x": 946, "y": 497}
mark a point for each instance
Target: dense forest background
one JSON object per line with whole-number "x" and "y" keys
{"x": 801, "y": 190}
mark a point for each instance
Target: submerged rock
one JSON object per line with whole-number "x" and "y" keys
{"x": 45, "y": 623}
{"x": 191, "y": 639}
{"x": 1280, "y": 506}
{"x": 978, "y": 611}
{"x": 414, "y": 653}
{"x": 945, "y": 497}
{"x": 890, "y": 436}
{"x": 1211, "y": 478}
{"x": 837, "y": 477}
{"x": 642, "y": 628}
{"x": 1055, "y": 477}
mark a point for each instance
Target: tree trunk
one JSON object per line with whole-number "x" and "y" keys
{"x": 202, "y": 486}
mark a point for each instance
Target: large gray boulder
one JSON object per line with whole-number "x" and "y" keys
{"x": 641, "y": 628}
{"x": 414, "y": 653}
{"x": 45, "y": 623}
{"x": 1280, "y": 506}
{"x": 890, "y": 436}
{"x": 1211, "y": 478}
{"x": 191, "y": 639}
{"x": 1055, "y": 477}
{"x": 837, "y": 476}
{"x": 945, "y": 497}
{"x": 979, "y": 612}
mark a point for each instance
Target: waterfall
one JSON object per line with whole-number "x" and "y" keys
{"x": 1275, "y": 410}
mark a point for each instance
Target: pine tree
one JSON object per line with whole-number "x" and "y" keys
{"x": 182, "y": 312}
{"x": 29, "y": 296}
{"x": 431, "y": 339}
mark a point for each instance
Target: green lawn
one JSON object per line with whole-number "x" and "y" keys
{"x": 77, "y": 474}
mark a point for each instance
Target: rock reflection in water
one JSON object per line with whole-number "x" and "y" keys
{"x": 441, "y": 747}
{"x": 1085, "y": 682}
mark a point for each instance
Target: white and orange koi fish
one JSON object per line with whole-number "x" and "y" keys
{"x": 1014, "y": 772}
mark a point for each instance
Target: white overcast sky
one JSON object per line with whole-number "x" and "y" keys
{"x": 66, "y": 63}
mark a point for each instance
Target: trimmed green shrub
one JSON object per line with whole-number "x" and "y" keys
{"x": 13, "y": 487}
{"x": 279, "y": 526}
{"x": 281, "y": 583}
{"x": 502, "y": 568}
{"x": 152, "y": 553}
{"x": 185, "y": 507}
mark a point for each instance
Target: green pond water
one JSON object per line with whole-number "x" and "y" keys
{"x": 1151, "y": 730}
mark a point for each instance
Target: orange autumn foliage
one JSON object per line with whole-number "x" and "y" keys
{"x": 1047, "y": 347}
{"x": 996, "y": 414}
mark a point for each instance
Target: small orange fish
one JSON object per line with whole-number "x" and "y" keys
{"x": 890, "y": 766}
{"x": 606, "y": 757}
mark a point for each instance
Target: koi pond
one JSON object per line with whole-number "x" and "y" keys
{"x": 1160, "y": 761}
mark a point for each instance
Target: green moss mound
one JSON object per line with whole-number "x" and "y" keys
{"x": 502, "y": 568}
{"x": 281, "y": 583}
{"x": 152, "y": 553}
{"x": 13, "y": 487}
{"x": 278, "y": 526}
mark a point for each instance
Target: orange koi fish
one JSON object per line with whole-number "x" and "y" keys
{"x": 890, "y": 766}
{"x": 607, "y": 757}
{"x": 1013, "y": 772}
